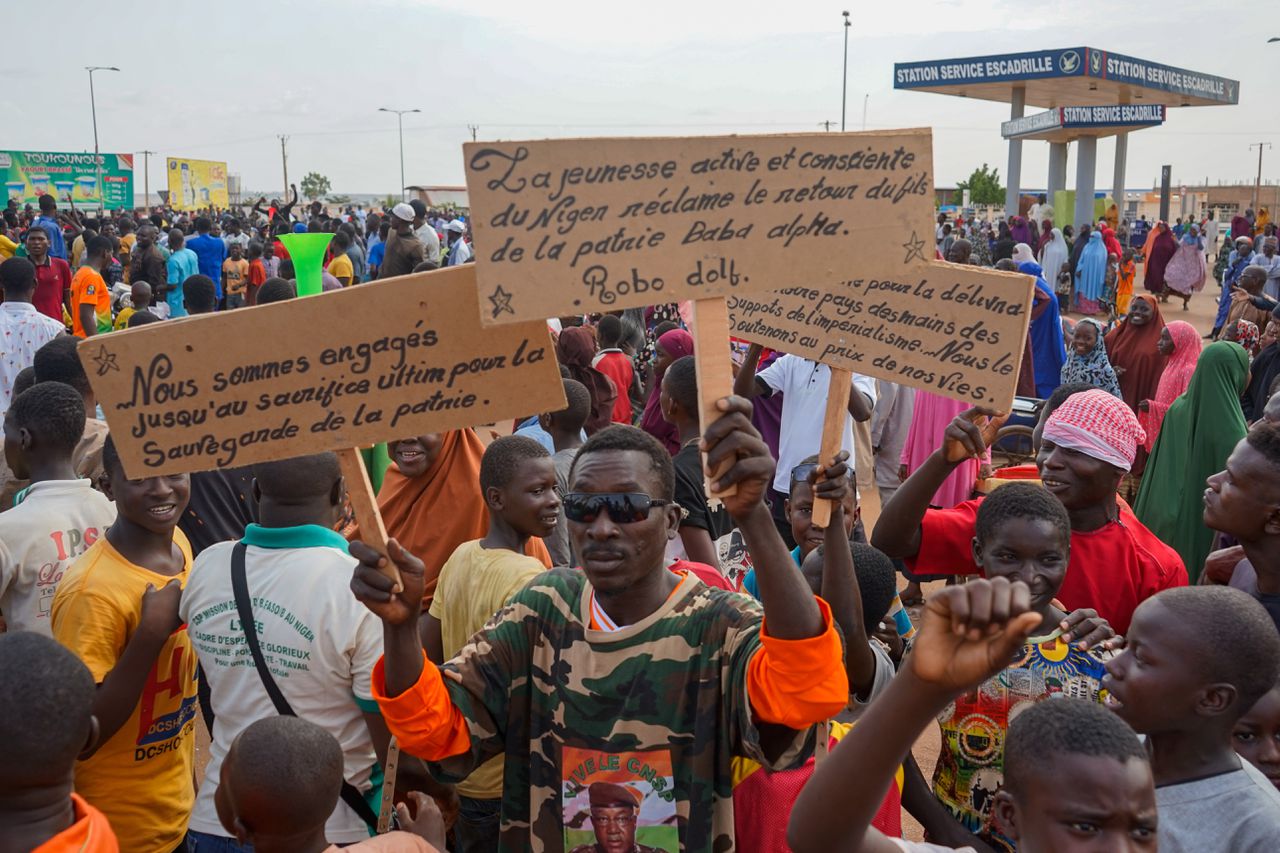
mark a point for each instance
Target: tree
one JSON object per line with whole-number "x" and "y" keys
{"x": 315, "y": 185}
{"x": 983, "y": 186}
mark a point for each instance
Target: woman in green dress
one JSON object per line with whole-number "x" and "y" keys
{"x": 1199, "y": 432}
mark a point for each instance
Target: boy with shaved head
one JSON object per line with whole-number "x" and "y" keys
{"x": 281, "y": 779}
{"x": 1196, "y": 660}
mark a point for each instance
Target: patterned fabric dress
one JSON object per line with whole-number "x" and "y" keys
{"x": 970, "y": 767}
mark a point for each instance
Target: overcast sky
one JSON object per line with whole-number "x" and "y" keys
{"x": 220, "y": 80}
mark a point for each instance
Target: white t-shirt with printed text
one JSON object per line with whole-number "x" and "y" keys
{"x": 320, "y": 644}
{"x": 40, "y": 538}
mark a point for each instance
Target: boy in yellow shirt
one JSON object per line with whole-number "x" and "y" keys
{"x": 117, "y": 609}
{"x": 235, "y": 277}
{"x": 341, "y": 267}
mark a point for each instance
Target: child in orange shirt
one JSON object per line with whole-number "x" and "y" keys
{"x": 257, "y": 273}
{"x": 1124, "y": 285}
{"x": 90, "y": 296}
{"x": 46, "y": 720}
{"x": 616, "y": 364}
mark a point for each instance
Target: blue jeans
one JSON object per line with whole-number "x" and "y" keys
{"x": 1224, "y": 305}
{"x": 203, "y": 842}
{"x": 478, "y": 823}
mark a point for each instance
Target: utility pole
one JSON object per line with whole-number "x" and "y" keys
{"x": 826, "y": 125}
{"x": 473, "y": 128}
{"x": 844, "y": 78}
{"x": 284, "y": 162}
{"x": 1257, "y": 183}
{"x": 865, "y": 98}
{"x": 97, "y": 158}
{"x": 146, "y": 179}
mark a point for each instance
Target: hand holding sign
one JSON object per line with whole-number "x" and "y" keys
{"x": 971, "y": 434}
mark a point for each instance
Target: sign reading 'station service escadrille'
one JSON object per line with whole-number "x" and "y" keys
{"x": 584, "y": 225}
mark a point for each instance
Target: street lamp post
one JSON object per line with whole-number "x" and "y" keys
{"x": 844, "y": 78}
{"x": 400, "y": 122}
{"x": 97, "y": 161}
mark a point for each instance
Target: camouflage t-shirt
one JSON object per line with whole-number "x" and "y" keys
{"x": 629, "y": 732}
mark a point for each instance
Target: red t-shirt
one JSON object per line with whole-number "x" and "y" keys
{"x": 1113, "y": 569}
{"x": 703, "y": 572}
{"x": 762, "y": 801}
{"x": 53, "y": 279}
{"x": 617, "y": 366}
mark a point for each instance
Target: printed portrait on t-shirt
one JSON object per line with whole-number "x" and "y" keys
{"x": 619, "y": 802}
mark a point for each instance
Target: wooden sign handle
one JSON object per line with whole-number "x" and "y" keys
{"x": 389, "y": 786}
{"x": 715, "y": 377}
{"x": 365, "y": 505}
{"x": 832, "y": 433}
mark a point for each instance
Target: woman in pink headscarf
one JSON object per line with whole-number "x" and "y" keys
{"x": 1180, "y": 344}
{"x": 672, "y": 345}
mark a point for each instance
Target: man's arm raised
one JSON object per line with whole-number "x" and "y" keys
{"x": 797, "y": 678}
{"x": 970, "y": 633}
{"x": 411, "y": 694}
{"x": 897, "y": 533}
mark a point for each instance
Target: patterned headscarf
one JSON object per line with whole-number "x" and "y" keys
{"x": 1092, "y": 368}
{"x": 1247, "y": 336}
{"x": 1097, "y": 425}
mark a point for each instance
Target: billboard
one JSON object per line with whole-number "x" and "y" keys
{"x": 195, "y": 184}
{"x": 27, "y": 175}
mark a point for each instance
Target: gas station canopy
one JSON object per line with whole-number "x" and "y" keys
{"x": 1067, "y": 123}
{"x": 1088, "y": 93}
{"x": 1074, "y": 76}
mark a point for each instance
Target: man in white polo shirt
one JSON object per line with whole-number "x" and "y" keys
{"x": 318, "y": 643}
{"x": 803, "y": 385}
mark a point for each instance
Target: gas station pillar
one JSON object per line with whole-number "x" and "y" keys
{"x": 1086, "y": 166}
{"x": 1014, "y": 173}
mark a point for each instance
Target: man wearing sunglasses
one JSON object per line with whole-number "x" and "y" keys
{"x": 627, "y": 671}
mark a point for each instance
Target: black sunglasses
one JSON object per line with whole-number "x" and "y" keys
{"x": 800, "y": 473}
{"x": 623, "y": 507}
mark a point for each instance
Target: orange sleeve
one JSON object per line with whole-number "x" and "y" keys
{"x": 797, "y": 683}
{"x": 538, "y": 550}
{"x": 423, "y": 718}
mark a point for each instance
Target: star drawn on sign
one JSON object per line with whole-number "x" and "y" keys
{"x": 914, "y": 247}
{"x": 106, "y": 361}
{"x": 501, "y": 301}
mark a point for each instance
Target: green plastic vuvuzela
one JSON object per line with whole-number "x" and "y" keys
{"x": 307, "y": 253}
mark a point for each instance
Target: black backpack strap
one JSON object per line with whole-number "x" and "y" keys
{"x": 240, "y": 588}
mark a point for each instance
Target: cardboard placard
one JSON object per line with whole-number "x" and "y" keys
{"x": 574, "y": 226}
{"x": 381, "y": 361}
{"x": 952, "y": 329}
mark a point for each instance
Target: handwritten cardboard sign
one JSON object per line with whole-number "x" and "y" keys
{"x": 584, "y": 225}
{"x": 952, "y": 329}
{"x": 371, "y": 363}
